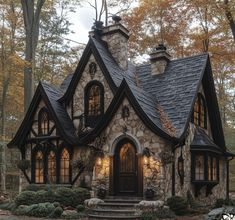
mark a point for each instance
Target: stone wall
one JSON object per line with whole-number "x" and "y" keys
{"x": 79, "y": 92}
{"x": 142, "y": 137}
{"x": 219, "y": 191}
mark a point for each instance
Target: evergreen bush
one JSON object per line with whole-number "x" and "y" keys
{"x": 64, "y": 196}
{"x": 26, "y": 198}
{"x": 57, "y": 212}
{"x": 80, "y": 208}
{"x": 178, "y": 205}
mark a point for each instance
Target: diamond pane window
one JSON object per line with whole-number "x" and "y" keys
{"x": 51, "y": 167}
{"x": 199, "y": 112}
{"x": 39, "y": 168}
{"x": 65, "y": 166}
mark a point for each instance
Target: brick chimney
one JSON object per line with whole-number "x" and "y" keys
{"x": 116, "y": 36}
{"x": 159, "y": 60}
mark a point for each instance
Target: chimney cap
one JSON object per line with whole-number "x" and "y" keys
{"x": 116, "y": 18}
{"x": 161, "y": 47}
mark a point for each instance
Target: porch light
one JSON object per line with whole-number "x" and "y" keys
{"x": 146, "y": 154}
{"x": 99, "y": 161}
{"x": 146, "y": 160}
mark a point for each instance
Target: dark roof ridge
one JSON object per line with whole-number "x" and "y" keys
{"x": 190, "y": 57}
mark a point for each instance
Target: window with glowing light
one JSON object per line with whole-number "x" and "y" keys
{"x": 206, "y": 167}
{"x": 199, "y": 169}
{"x": 199, "y": 117}
{"x": 39, "y": 167}
{"x": 43, "y": 122}
{"x": 94, "y": 102}
{"x": 65, "y": 166}
{"x": 51, "y": 167}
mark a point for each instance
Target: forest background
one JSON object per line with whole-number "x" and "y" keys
{"x": 186, "y": 27}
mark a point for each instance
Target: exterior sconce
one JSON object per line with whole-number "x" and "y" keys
{"x": 146, "y": 154}
{"x": 181, "y": 168}
{"x": 99, "y": 161}
{"x": 146, "y": 160}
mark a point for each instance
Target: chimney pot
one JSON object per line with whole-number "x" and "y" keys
{"x": 159, "y": 59}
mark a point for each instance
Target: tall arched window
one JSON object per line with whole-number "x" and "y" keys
{"x": 199, "y": 114}
{"x": 39, "y": 167}
{"x": 51, "y": 167}
{"x": 94, "y": 102}
{"x": 64, "y": 166}
{"x": 43, "y": 122}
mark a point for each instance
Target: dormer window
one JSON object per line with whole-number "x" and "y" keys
{"x": 43, "y": 122}
{"x": 94, "y": 103}
{"x": 199, "y": 117}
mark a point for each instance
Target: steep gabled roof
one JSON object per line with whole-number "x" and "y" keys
{"x": 164, "y": 102}
{"x": 49, "y": 94}
{"x": 124, "y": 91}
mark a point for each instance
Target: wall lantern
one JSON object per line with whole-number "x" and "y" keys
{"x": 99, "y": 161}
{"x": 100, "y": 156}
{"x": 181, "y": 168}
{"x": 146, "y": 154}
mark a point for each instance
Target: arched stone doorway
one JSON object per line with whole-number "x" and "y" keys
{"x": 126, "y": 172}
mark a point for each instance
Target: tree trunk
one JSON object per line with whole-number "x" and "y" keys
{"x": 31, "y": 22}
{"x": 230, "y": 18}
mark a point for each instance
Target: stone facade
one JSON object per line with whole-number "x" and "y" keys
{"x": 78, "y": 99}
{"x": 143, "y": 137}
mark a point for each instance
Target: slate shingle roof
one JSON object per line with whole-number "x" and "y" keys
{"x": 174, "y": 90}
{"x": 166, "y": 97}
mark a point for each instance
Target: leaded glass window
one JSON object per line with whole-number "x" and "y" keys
{"x": 94, "y": 101}
{"x": 199, "y": 167}
{"x": 51, "y": 167}
{"x": 199, "y": 113}
{"x": 43, "y": 122}
{"x": 39, "y": 167}
{"x": 64, "y": 166}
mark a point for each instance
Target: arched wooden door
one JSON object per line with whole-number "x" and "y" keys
{"x": 125, "y": 169}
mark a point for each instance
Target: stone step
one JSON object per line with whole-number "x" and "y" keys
{"x": 113, "y": 217}
{"x": 113, "y": 212}
{"x": 117, "y": 200}
{"x": 116, "y": 206}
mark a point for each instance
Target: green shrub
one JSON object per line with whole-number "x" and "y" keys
{"x": 80, "y": 194}
{"x": 45, "y": 196}
{"x": 56, "y": 204}
{"x": 64, "y": 196}
{"x": 160, "y": 213}
{"x": 56, "y": 213}
{"x": 8, "y": 206}
{"x": 71, "y": 197}
{"x": 178, "y": 205}
{"x": 80, "y": 208}
{"x": 221, "y": 202}
{"x": 36, "y": 187}
{"x": 36, "y": 210}
{"x": 26, "y": 198}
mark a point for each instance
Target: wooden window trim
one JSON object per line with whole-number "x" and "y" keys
{"x": 91, "y": 120}
{"x": 197, "y": 115}
{"x": 41, "y": 115}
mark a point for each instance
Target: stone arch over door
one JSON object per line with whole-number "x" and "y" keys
{"x": 126, "y": 167}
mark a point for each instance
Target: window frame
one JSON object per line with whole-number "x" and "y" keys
{"x": 41, "y": 114}
{"x": 91, "y": 120}
{"x": 201, "y": 102}
{"x": 206, "y": 157}
{"x": 46, "y": 149}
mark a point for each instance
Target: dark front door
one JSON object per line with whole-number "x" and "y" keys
{"x": 125, "y": 169}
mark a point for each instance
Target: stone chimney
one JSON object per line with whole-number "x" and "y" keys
{"x": 159, "y": 60}
{"x": 116, "y": 36}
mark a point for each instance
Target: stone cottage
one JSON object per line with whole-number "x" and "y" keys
{"x": 130, "y": 129}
